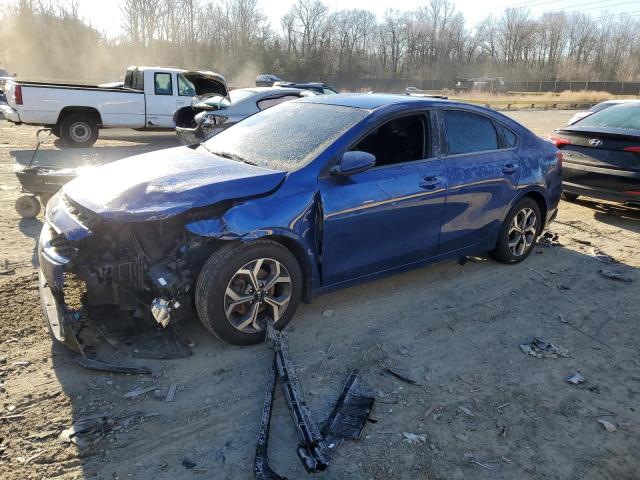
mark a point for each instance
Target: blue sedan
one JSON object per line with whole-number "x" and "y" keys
{"x": 300, "y": 199}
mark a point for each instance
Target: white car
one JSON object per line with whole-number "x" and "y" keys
{"x": 596, "y": 108}
{"x": 147, "y": 100}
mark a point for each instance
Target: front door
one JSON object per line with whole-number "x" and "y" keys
{"x": 160, "y": 100}
{"x": 483, "y": 175}
{"x": 387, "y": 216}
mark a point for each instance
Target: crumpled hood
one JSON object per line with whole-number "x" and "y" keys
{"x": 167, "y": 182}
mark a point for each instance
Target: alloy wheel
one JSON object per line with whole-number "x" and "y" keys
{"x": 258, "y": 292}
{"x": 522, "y": 232}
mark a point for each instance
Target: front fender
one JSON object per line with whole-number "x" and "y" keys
{"x": 290, "y": 220}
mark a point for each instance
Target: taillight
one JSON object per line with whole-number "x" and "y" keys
{"x": 559, "y": 157}
{"x": 559, "y": 141}
{"x": 632, "y": 192}
{"x": 632, "y": 149}
{"x": 17, "y": 94}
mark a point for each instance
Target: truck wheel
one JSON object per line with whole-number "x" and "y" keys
{"x": 27, "y": 206}
{"x": 79, "y": 130}
{"x": 55, "y": 131}
{"x": 243, "y": 286}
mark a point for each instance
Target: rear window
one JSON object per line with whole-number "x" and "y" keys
{"x": 623, "y": 117}
{"x": 468, "y": 132}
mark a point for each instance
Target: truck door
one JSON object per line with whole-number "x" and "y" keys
{"x": 160, "y": 98}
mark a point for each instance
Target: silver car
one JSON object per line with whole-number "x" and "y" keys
{"x": 210, "y": 115}
{"x": 600, "y": 106}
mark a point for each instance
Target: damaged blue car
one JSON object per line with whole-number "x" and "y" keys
{"x": 300, "y": 199}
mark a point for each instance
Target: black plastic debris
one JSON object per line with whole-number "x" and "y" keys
{"x": 540, "y": 349}
{"x": 315, "y": 446}
{"x": 399, "y": 375}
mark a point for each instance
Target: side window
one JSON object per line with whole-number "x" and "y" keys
{"x": 128, "y": 79}
{"x": 509, "y": 136}
{"x": 468, "y": 132}
{"x": 270, "y": 102}
{"x": 185, "y": 87}
{"x": 138, "y": 83}
{"x": 398, "y": 141}
{"x": 163, "y": 84}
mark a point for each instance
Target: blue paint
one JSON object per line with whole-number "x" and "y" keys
{"x": 344, "y": 229}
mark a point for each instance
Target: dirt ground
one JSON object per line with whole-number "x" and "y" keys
{"x": 486, "y": 409}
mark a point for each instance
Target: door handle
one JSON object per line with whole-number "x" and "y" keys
{"x": 429, "y": 183}
{"x": 509, "y": 168}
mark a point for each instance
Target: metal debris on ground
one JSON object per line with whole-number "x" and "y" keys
{"x": 549, "y": 239}
{"x": 315, "y": 446}
{"x": 617, "y": 276}
{"x": 137, "y": 391}
{"x": 608, "y": 426}
{"x": 575, "y": 379}
{"x": 87, "y": 431}
{"x": 399, "y": 375}
{"x": 603, "y": 257}
{"x": 171, "y": 393}
{"x": 540, "y": 349}
{"x": 414, "y": 437}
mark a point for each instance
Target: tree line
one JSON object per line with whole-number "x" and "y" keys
{"x": 311, "y": 42}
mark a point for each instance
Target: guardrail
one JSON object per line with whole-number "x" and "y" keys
{"x": 509, "y": 104}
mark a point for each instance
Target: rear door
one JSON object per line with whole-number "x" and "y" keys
{"x": 483, "y": 172}
{"x": 160, "y": 97}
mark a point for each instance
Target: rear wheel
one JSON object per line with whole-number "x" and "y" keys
{"x": 244, "y": 286}
{"x": 519, "y": 232}
{"x": 569, "y": 197}
{"x": 79, "y": 130}
{"x": 27, "y": 206}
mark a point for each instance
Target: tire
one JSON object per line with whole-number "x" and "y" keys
{"x": 221, "y": 272}
{"x": 510, "y": 254}
{"x": 28, "y": 206}
{"x": 569, "y": 197}
{"x": 79, "y": 130}
{"x": 55, "y": 131}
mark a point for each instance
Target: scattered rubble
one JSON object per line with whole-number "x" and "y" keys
{"x": 540, "y": 349}
{"x": 414, "y": 437}
{"x": 608, "y": 426}
{"x": 575, "y": 379}
{"x": 399, "y": 375}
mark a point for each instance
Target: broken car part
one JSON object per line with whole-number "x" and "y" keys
{"x": 315, "y": 447}
{"x": 540, "y": 349}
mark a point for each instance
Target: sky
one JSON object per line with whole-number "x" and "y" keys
{"x": 105, "y": 14}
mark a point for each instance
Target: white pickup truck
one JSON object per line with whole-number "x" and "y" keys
{"x": 147, "y": 100}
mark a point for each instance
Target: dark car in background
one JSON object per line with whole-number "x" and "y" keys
{"x": 212, "y": 114}
{"x": 601, "y": 155}
{"x": 317, "y": 87}
{"x": 300, "y": 199}
{"x": 267, "y": 80}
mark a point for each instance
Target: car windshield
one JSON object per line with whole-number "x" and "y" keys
{"x": 286, "y": 136}
{"x": 625, "y": 117}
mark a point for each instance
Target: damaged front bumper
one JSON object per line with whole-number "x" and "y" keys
{"x": 113, "y": 297}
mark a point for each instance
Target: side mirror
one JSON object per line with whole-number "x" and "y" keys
{"x": 354, "y": 162}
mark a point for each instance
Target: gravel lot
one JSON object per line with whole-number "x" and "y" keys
{"x": 486, "y": 409}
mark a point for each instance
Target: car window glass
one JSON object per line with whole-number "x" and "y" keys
{"x": 237, "y": 95}
{"x": 398, "y": 141}
{"x": 509, "y": 136}
{"x": 139, "y": 80}
{"x": 270, "y": 102}
{"x": 162, "y": 83}
{"x": 625, "y": 117}
{"x": 468, "y": 132}
{"x": 185, "y": 87}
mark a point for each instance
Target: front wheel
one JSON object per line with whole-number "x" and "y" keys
{"x": 519, "y": 232}
{"x": 244, "y": 286}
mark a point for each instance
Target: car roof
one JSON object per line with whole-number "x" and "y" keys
{"x": 371, "y": 101}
